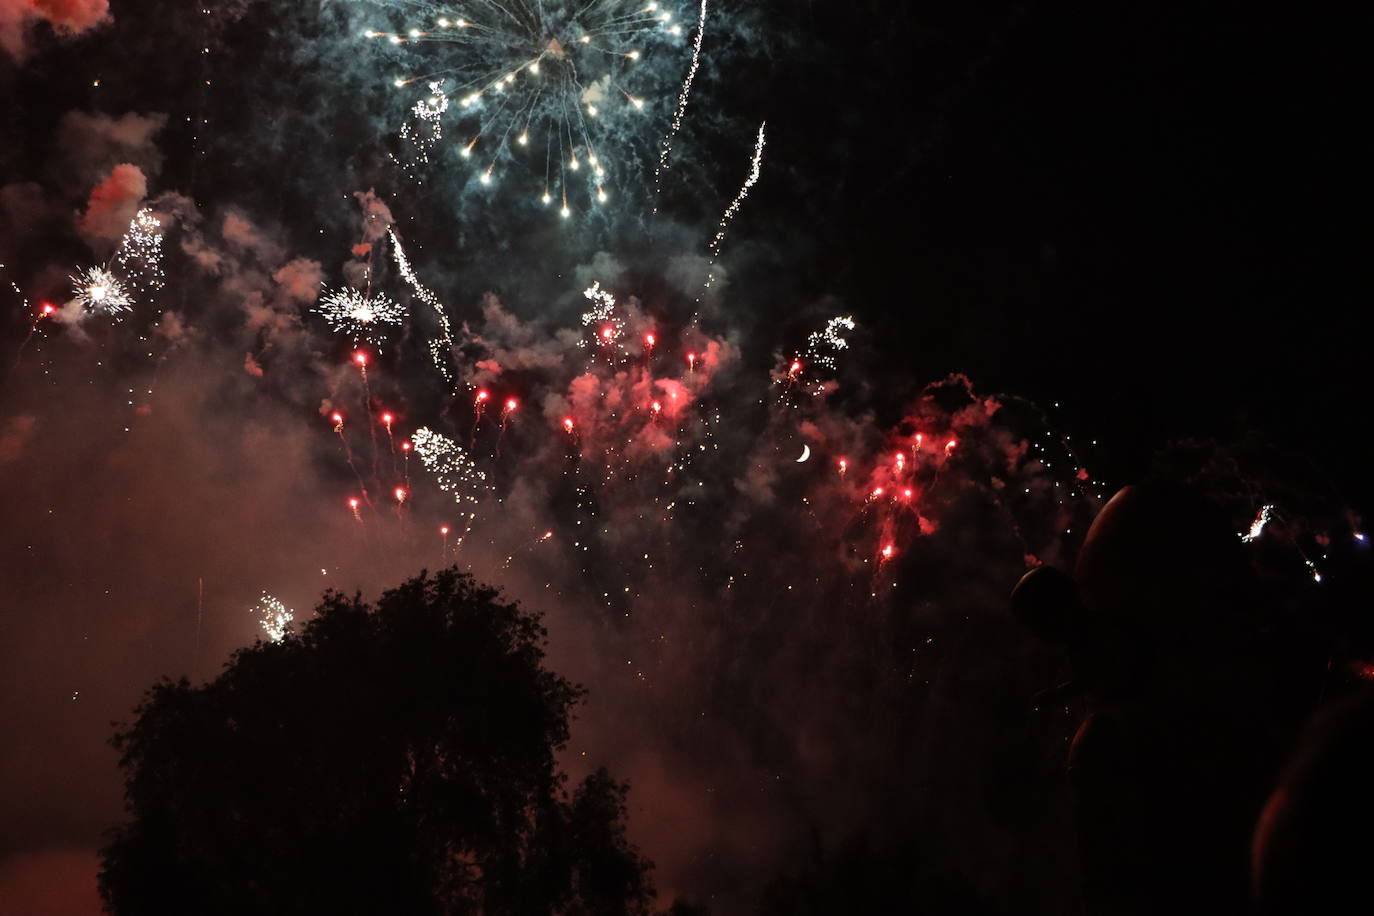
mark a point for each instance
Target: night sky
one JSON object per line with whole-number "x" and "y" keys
{"x": 1126, "y": 229}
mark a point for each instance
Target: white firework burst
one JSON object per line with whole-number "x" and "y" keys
{"x": 359, "y": 315}
{"x": 558, "y": 86}
{"x": 101, "y": 292}
{"x": 139, "y": 256}
{"x": 274, "y": 616}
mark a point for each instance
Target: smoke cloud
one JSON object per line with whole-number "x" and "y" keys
{"x": 112, "y": 205}
{"x": 67, "y": 17}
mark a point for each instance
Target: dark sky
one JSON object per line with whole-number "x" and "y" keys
{"x": 1152, "y": 225}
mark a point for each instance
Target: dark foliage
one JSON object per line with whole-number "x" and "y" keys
{"x": 396, "y": 759}
{"x": 861, "y": 878}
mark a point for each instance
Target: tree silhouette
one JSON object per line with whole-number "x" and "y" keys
{"x": 396, "y": 759}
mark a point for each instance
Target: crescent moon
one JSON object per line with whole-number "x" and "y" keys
{"x": 806, "y": 453}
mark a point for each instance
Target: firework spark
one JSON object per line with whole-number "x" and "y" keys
{"x": 1265, "y": 515}
{"x": 274, "y": 616}
{"x": 666, "y": 148}
{"x": 454, "y": 471}
{"x": 441, "y": 345}
{"x": 100, "y": 292}
{"x": 755, "y": 169}
{"x": 361, "y": 317}
{"x": 606, "y": 326}
{"x": 557, "y": 75}
{"x": 139, "y": 256}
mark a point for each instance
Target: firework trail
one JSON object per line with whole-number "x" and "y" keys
{"x": 516, "y": 78}
{"x": 441, "y": 346}
{"x": 510, "y": 558}
{"x": 1269, "y": 513}
{"x": 506, "y": 410}
{"x": 44, "y": 311}
{"x": 755, "y": 168}
{"x": 479, "y": 404}
{"x": 666, "y": 147}
{"x": 337, "y": 419}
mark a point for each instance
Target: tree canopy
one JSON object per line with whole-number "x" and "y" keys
{"x": 389, "y": 759}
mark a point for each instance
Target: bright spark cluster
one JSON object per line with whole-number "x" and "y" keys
{"x": 455, "y": 471}
{"x": 139, "y": 256}
{"x": 1265, "y": 515}
{"x": 525, "y": 74}
{"x": 274, "y": 616}
{"x": 359, "y": 315}
{"x": 425, "y": 131}
{"x": 100, "y": 292}
{"x": 607, "y": 328}
{"x": 823, "y": 347}
{"x": 822, "y": 351}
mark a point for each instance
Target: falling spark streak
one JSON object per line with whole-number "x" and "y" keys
{"x": 506, "y": 410}
{"x": 479, "y": 402}
{"x": 455, "y": 472}
{"x": 442, "y": 345}
{"x": 274, "y": 616}
{"x": 755, "y": 168}
{"x": 666, "y": 148}
{"x": 546, "y": 536}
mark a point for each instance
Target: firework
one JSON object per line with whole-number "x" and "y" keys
{"x": 755, "y": 169}
{"x": 454, "y": 471}
{"x": 139, "y": 256}
{"x": 1265, "y": 515}
{"x": 100, "y": 292}
{"x": 360, "y": 316}
{"x": 666, "y": 147}
{"x": 424, "y": 131}
{"x": 823, "y": 346}
{"x": 601, "y": 320}
{"x": 441, "y": 345}
{"x": 551, "y": 87}
{"x": 274, "y": 616}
